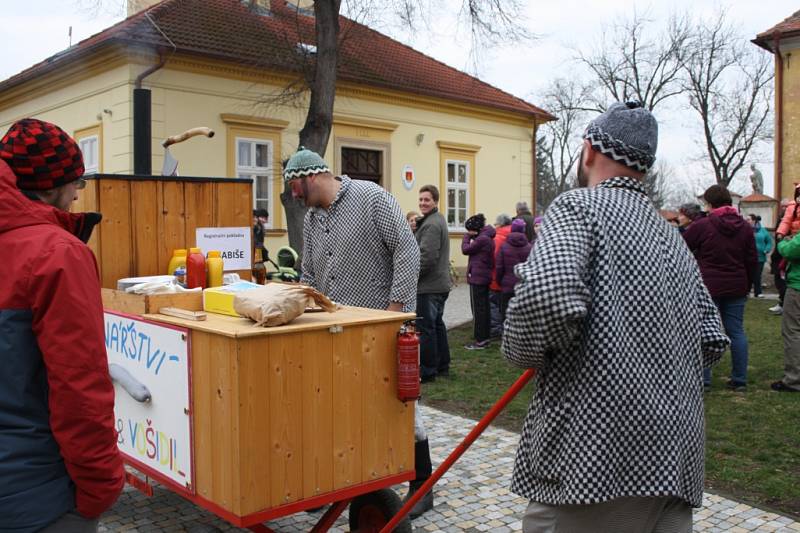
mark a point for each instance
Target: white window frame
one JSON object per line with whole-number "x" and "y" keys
{"x": 457, "y": 187}
{"x": 91, "y": 158}
{"x": 243, "y": 171}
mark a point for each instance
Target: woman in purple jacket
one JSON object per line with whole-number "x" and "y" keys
{"x": 725, "y": 250}
{"x": 515, "y": 250}
{"x": 478, "y": 244}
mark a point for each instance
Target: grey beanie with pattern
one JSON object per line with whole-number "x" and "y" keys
{"x": 627, "y": 133}
{"x": 304, "y": 163}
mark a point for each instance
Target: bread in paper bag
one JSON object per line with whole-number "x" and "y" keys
{"x": 276, "y": 304}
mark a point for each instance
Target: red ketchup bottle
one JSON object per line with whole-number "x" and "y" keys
{"x": 195, "y": 269}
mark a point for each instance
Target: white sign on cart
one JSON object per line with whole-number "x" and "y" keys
{"x": 149, "y": 360}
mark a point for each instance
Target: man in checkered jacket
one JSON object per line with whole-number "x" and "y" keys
{"x": 612, "y": 312}
{"x": 359, "y": 250}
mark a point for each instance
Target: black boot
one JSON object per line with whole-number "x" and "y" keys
{"x": 422, "y": 464}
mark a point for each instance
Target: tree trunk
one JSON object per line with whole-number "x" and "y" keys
{"x": 319, "y": 120}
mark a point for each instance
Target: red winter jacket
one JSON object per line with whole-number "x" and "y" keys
{"x": 58, "y": 448}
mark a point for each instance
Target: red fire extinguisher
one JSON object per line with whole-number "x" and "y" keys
{"x": 408, "y": 362}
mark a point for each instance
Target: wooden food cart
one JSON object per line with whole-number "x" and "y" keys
{"x": 279, "y": 419}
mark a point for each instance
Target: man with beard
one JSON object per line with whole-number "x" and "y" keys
{"x": 358, "y": 249}
{"x": 612, "y": 311}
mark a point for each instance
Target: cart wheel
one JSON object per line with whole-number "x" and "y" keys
{"x": 370, "y": 512}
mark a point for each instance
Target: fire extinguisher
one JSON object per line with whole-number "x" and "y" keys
{"x": 408, "y": 362}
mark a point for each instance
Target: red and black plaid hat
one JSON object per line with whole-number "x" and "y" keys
{"x": 41, "y": 155}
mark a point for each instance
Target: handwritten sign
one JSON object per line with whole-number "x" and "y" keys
{"x": 156, "y": 434}
{"x": 233, "y": 243}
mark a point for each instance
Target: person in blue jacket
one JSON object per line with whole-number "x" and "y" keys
{"x": 763, "y": 247}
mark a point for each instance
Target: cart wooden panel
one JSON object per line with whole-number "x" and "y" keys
{"x": 294, "y": 412}
{"x": 146, "y": 217}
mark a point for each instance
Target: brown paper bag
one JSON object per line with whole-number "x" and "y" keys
{"x": 276, "y": 304}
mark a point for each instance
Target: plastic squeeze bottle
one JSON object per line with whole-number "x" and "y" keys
{"x": 215, "y": 267}
{"x": 178, "y": 260}
{"x": 195, "y": 269}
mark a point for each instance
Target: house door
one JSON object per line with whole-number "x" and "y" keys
{"x": 362, "y": 164}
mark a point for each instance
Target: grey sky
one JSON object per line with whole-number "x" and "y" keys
{"x": 523, "y": 71}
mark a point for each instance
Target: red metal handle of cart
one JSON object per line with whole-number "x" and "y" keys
{"x": 462, "y": 447}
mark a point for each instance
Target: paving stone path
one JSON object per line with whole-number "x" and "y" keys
{"x": 473, "y": 496}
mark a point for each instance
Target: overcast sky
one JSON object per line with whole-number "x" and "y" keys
{"x": 36, "y": 29}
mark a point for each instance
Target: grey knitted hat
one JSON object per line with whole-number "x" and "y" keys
{"x": 627, "y": 133}
{"x": 304, "y": 163}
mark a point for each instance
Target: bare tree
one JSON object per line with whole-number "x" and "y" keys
{"x": 657, "y": 183}
{"x": 561, "y": 140}
{"x": 730, "y": 85}
{"x": 633, "y": 63}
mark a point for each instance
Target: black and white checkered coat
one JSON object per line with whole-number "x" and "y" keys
{"x": 361, "y": 250}
{"x": 612, "y": 311}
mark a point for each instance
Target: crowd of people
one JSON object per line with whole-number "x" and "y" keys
{"x": 610, "y": 301}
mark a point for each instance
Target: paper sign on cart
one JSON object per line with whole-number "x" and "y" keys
{"x": 233, "y": 243}
{"x": 155, "y": 436}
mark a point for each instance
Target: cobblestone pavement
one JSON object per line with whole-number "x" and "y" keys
{"x": 473, "y": 496}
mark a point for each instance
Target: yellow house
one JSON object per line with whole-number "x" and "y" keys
{"x": 783, "y": 40}
{"x": 401, "y": 118}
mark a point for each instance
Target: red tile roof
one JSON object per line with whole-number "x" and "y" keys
{"x": 788, "y": 28}
{"x": 227, "y": 30}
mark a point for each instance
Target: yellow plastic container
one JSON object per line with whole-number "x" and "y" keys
{"x": 178, "y": 260}
{"x": 214, "y": 269}
{"x": 220, "y": 299}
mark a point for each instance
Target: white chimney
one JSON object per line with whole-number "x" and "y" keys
{"x": 134, "y": 6}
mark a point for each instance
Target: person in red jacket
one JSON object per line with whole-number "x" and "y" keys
{"x": 59, "y": 463}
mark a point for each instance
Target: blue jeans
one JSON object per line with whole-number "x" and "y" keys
{"x": 732, "y": 311}
{"x": 434, "y": 350}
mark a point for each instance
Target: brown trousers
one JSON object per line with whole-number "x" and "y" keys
{"x": 790, "y": 329}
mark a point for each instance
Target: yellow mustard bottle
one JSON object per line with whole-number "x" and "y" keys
{"x": 214, "y": 267}
{"x": 178, "y": 260}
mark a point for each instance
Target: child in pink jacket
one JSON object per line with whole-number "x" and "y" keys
{"x": 790, "y": 223}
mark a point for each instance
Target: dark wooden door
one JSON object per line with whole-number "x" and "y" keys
{"x": 362, "y": 164}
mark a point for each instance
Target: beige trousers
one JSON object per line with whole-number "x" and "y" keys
{"x": 790, "y": 329}
{"x": 621, "y": 515}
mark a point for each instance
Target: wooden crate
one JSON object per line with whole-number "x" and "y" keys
{"x": 293, "y": 412}
{"x": 140, "y": 304}
{"x": 146, "y": 217}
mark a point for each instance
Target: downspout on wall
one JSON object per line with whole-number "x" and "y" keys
{"x": 778, "y": 116}
{"x": 142, "y": 112}
{"x": 142, "y": 122}
{"x": 534, "y": 170}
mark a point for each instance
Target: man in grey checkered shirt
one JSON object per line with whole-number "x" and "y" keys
{"x": 359, "y": 250}
{"x": 612, "y": 312}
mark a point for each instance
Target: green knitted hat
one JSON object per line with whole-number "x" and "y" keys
{"x": 304, "y": 163}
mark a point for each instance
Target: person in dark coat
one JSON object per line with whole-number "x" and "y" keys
{"x": 515, "y": 250}
{"x": 433, "y": 288}
{"x": 524, "y": 213}
{"x": 725, "y": 250}
{"x": 478, "y": 244}
{"x": 688, "y": 213}
{"x": 260, "y": 219}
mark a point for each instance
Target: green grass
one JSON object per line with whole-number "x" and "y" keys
{"x": 753, "y": 438}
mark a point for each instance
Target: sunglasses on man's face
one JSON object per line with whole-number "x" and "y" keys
{"x": 80, "y": 183}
